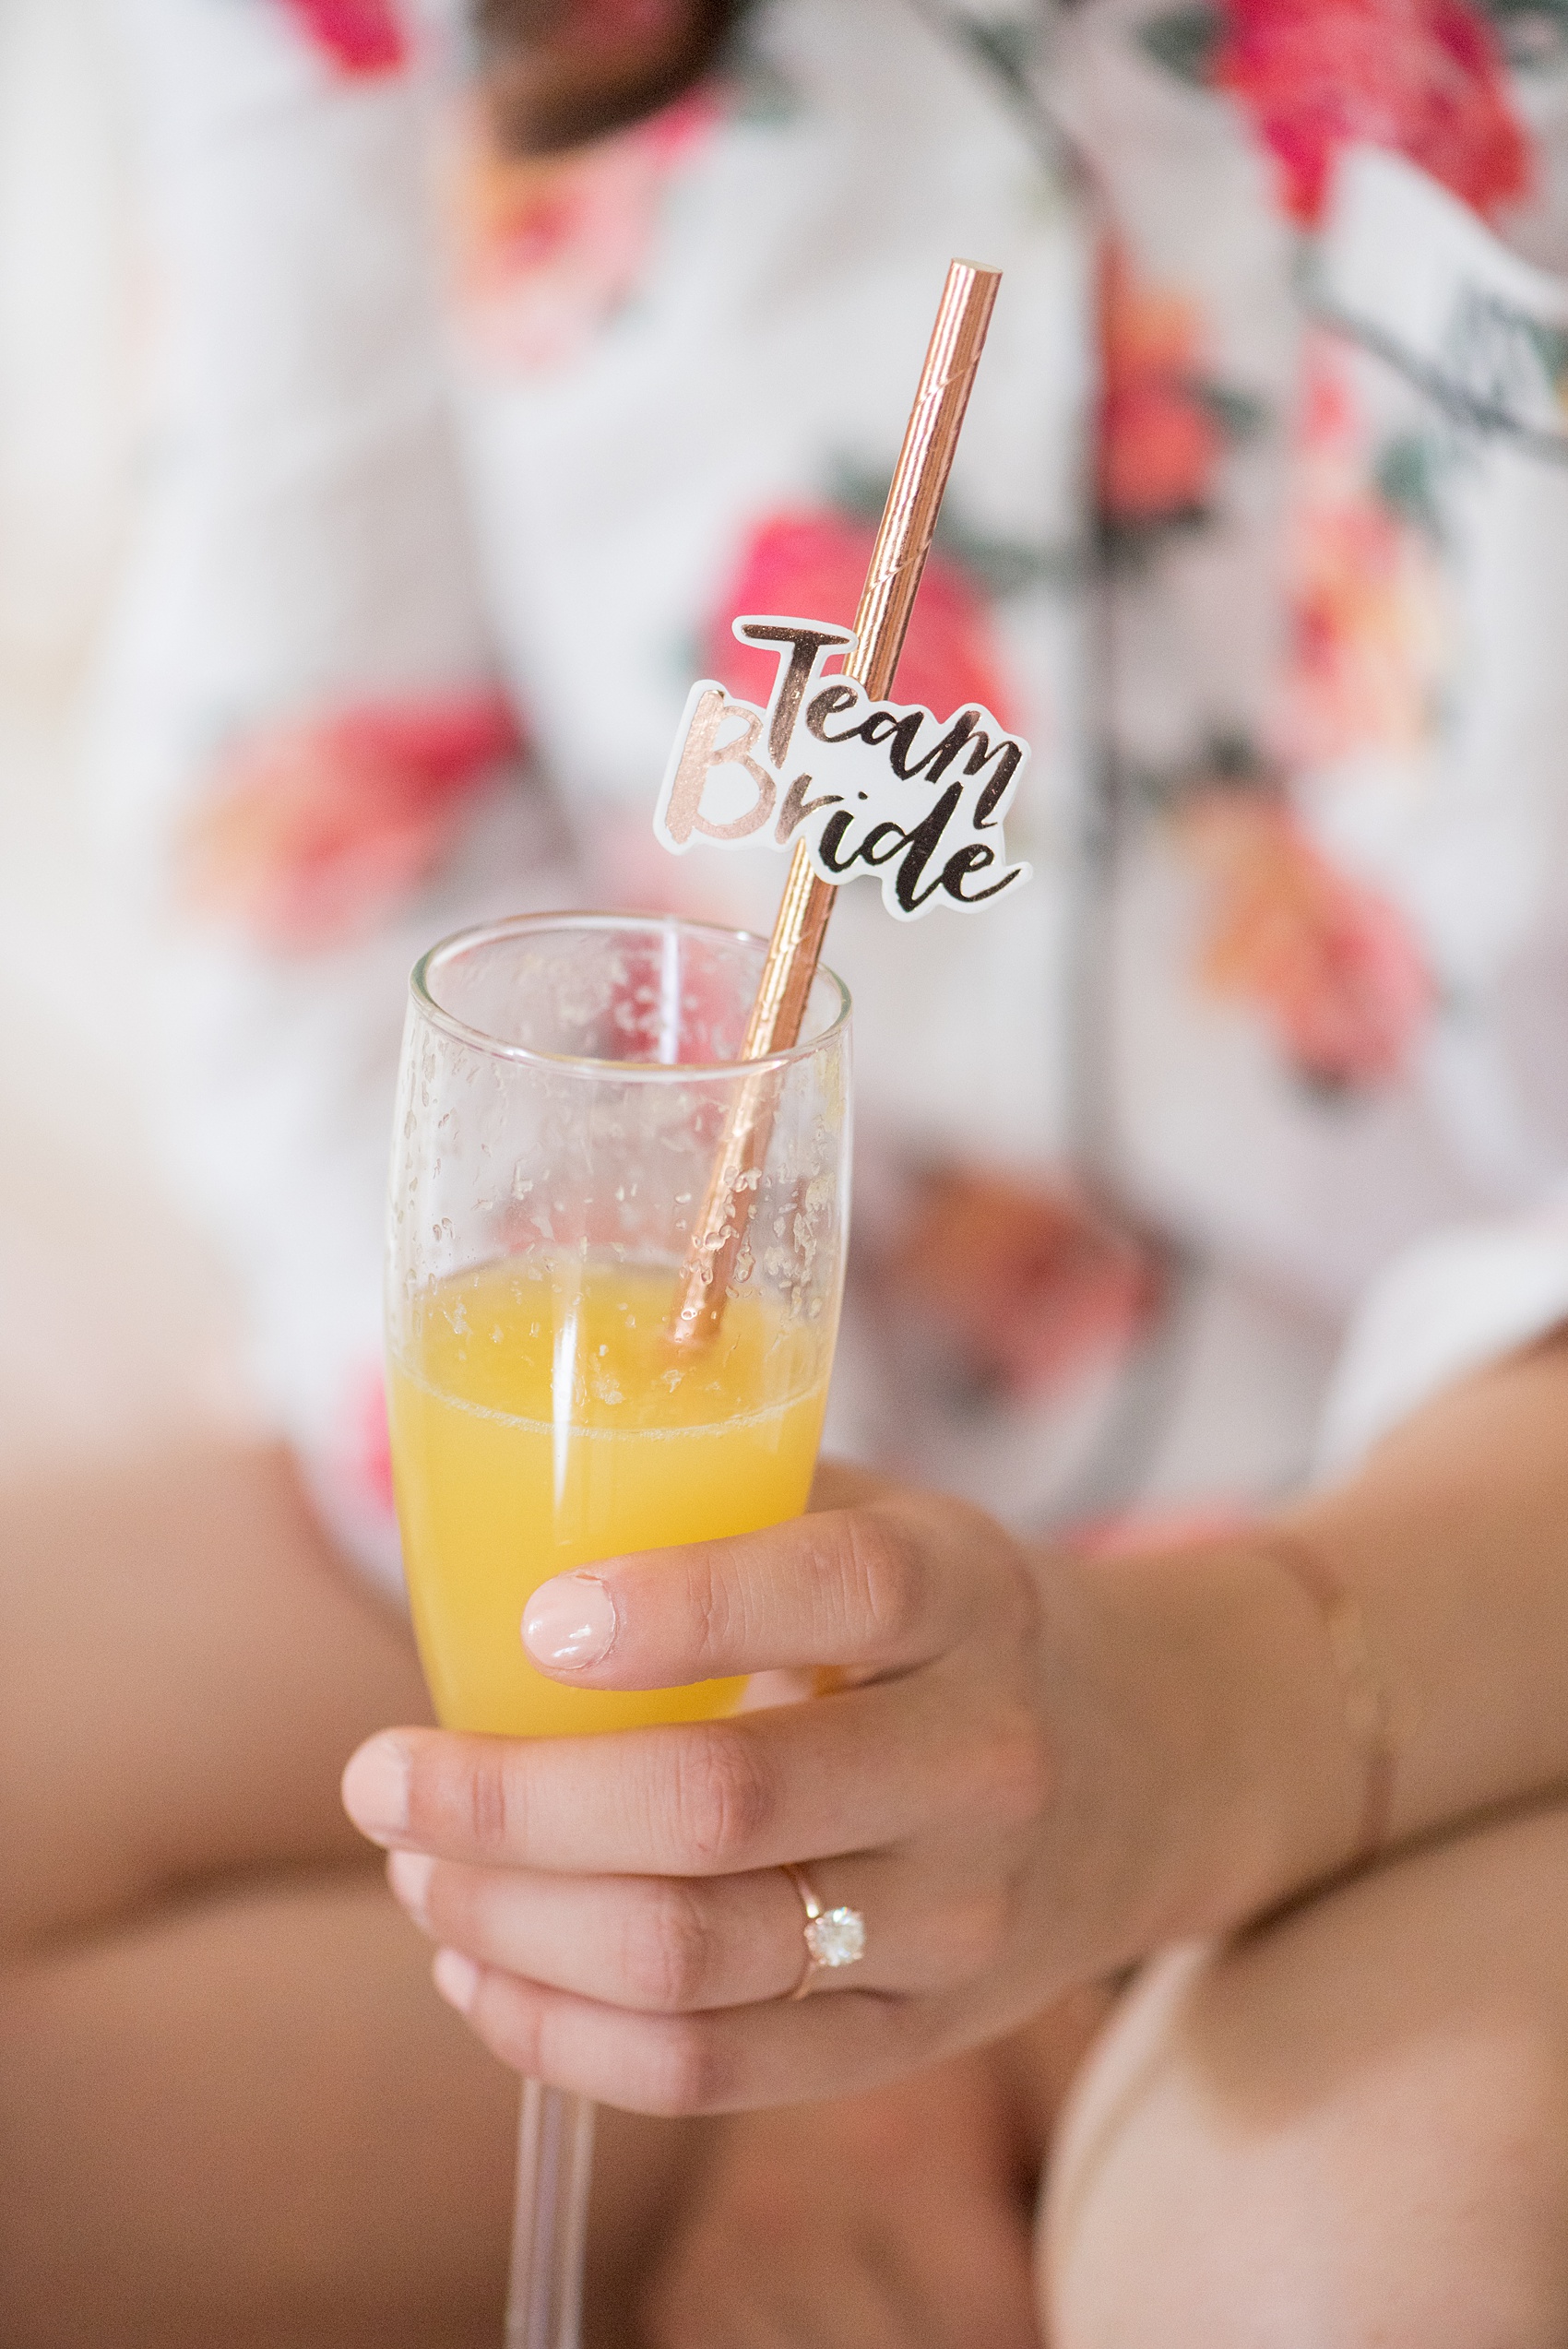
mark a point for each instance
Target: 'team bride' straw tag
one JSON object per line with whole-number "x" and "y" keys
{"x": 827, "y": 843}
{"x": 864, "y": 785}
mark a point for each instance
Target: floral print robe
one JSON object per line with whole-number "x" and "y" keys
{"x": 462, "y": 466}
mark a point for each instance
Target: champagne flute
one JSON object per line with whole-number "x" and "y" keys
{"x": 566, "y": 1081}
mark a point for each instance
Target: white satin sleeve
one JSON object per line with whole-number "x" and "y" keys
{"x": 1445, "y": 1307}
{"x": 304, "y": 545}
{"x": 305, "y": 531}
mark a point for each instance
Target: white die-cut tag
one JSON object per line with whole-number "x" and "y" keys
{"x": 882, "y": 788}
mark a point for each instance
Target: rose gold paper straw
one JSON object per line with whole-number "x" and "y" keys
{"x": 908, "y": 522}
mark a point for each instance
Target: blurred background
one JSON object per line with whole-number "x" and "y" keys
{"x": 113, "y": 1317}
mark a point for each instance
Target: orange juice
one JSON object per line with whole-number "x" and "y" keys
{"x": 542, "y": 1421}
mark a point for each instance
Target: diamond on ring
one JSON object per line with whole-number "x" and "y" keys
{"x": 837, "y": 1938}
{"x": 833, "y": 1937}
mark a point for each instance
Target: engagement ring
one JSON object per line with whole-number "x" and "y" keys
{"x": 833, "y": 1937}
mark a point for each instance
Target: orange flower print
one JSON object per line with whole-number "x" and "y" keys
{"x": 311, "y": 831}
{"x": 1329, "y": 960}
{"x": 1023, "y": 1289}
{"x": 1183, "y": 1525}
{"x": 1424, "y": 77}
{"x": 1160, "y": 440}
{"x": 549, "y": 248}
{"x": 810, "y": 564}
{"x": 1372, "y": 628}
{"x": 361, "y": 36}
{"x": 363, "y": 1449}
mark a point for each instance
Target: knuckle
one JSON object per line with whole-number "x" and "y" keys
{"x": 684, "y": 2074}
{"x": 714, "y": 1608}
{"x": 724, "y": 1797}
{"x": 1015, "y": 1770}
{"x": 887, "y": 1572}
{"x": 509, "y": 2024}
{"x": 488, "y": 1800}
{"x": 465, "y": 1908}
{"x": 992, "y": 1558}
{"x": 666, "y": 1954}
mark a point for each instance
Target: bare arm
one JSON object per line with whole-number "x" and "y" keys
{"x": 1454, "y": 1538}
{"x": 1034, "y": 1769}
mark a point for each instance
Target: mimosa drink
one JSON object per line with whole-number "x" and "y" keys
{"x": 566, "y": 1084}
{"x": 541, "y": 1421}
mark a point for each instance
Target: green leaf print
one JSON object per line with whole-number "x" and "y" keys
{"x": 1534, "y": 33}
{"x": 1406, "y": 476}
{"x": 1185, "y": 42}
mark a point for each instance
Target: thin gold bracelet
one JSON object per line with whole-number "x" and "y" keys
{"x": 1371, "y": 1715}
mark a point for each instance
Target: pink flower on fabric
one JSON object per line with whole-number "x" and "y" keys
{"x": 1135, "y": 1532}
{"x": 1329, "y": 960}
{"x": 1423, "y": 77}
{"x": 1026, "y": 1287}
{"x": 312, "y": 830}
{"x": 1372, "y": 624}
{"x": 364, "y": 1450}
{"x": 811, "y": 565}
{"x": 1159, "y": 440}
{"x": 547, "y": 248}
{"x": 363, "y": 37}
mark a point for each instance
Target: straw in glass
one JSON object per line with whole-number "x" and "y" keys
{"x": 545, "y": 2301}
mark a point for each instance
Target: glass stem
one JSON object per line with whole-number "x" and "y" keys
{"x": 544, "y": 2303}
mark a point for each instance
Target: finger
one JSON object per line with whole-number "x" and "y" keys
{"x": 882, "y": 1588}
{"x": 672, "y": 1945}
{"x": 656, "y": 1944}
{"x": 731, "y": 2061}
{"x": 857, "y": 1770}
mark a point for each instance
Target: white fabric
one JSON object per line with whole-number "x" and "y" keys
{"x": 1446, "y": 1308}
{"x": 366, "y": 487}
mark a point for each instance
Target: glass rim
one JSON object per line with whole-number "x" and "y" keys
{"x": 484, "y": 933}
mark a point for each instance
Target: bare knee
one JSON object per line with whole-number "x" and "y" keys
{"x": 1348, "y": 2130}
{"x": 198, "y": 1667}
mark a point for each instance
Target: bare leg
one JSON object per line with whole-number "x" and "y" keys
{"x": 184, "y": 1667}
{"x": 232, "y": 2108}
{"x": 1350, "y": 2129}
{"x": 239, "y": 2122}
{"x": 898, "y": 2219}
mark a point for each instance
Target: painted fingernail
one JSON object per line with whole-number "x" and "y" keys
{"x": 570, "y": 1623}
{"x": 408, "y": 1874}
{"x": 375, "y": 1788}
{"x": 456, "y": 1978}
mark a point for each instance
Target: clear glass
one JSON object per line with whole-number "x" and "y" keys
{"x": 566, "y": 1081}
